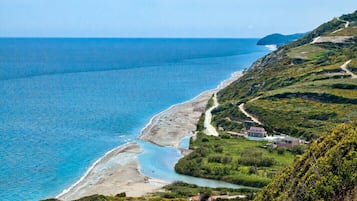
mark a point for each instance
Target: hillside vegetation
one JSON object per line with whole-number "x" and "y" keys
{"x": 327, "y": 171}
{"x": 235, "y": 160}
{"x": 303, "y": 90}
{"x": 300, "y": 89}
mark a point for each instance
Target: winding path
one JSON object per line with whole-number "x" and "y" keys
{"x": 209, "y": 129}
{"x": 345, "y": 21}
{"x": 321, "y": 39}
{"x": 242, "y": 109}
{"x": 344, "y": 68}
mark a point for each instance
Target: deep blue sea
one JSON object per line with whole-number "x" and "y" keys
{"x": 66, "y": 102}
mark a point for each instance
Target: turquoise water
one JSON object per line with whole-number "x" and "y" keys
{"x": 163, "y": 168}
{"x": 65, "y": 102}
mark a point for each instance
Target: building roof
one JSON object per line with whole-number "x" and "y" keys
{"x": 286, "y": 138}
{"x": 256, "y": 129}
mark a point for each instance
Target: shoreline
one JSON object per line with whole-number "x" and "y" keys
{"x": 168, "y": 127}
{"x": 67, "y": 190}
{"x": 272, "y": 47}
{"x": 115, "y": 172}
{"x": 108, "y": 176}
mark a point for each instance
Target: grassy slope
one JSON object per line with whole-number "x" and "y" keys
{"x": 303, "y": 91}
{"x": 327, "y": 171}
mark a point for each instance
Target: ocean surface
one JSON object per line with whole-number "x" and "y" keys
{"x": 66, "y": 102}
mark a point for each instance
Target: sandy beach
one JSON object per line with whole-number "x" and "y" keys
{"x": 170, "y": 126}
{"x": 118, "y": 170}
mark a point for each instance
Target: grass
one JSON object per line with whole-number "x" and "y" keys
{"x": 327, "y": 170}
{"x": 183, "y": 190}
{"x": 349, "y": 31}
{"x": 342, "y": 87}
{"x": 228, "y": 117}
{"x": 306, "y": 52}
{"x": 210, "y": 103}
{"x": 301, "y": 117}
{"x": 353, "y": 66}
{"x": 316, "y": 84}
{"x": 224, "y": 158}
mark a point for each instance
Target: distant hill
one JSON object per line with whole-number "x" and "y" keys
{"x": 279, "y": 39}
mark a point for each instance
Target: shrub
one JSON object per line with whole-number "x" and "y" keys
{"x": 121, "y": 195}
{"x": 205, "y": 139}
{"x": 253, "y": 170}
{"x": 280, "y": 150}
{"x": 259, "y": 161}
{"x": 298, "y": 149}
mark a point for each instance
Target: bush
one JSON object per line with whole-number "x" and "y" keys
{"x": 298, "y": 150}
{"x": 255, "y": 158}
{"x": 253, "y": 170}
{"x": 93, "y": 198}
{"x": 121, "y": 195}
{"x": 225, "y": 136}
{"x": 280, "y": 150}
{"x": 220, "y": 159}
{"x": 218, "y": 149}
{"x": 205, "y": 139}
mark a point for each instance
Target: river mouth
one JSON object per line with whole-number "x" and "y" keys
{"x": 159, "y": 162}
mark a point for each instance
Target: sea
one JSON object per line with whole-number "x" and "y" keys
{"x": 65, "y": 102}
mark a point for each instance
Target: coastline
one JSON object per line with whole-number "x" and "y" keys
{"x": 119, "y": 171}
{"x": 272, "y": 47}
{"x": 168, "y": 127}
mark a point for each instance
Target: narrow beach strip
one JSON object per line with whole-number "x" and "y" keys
{"x": 117, "y": 171}
{"x": 167, "y": 128}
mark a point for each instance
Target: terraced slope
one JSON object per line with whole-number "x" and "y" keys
{"x": 305, "y": 88}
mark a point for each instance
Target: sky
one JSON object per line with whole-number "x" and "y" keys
{"x": 165, "y": 18}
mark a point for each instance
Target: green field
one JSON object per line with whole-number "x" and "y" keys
{"x": 307, "y": 52}
{"x": 235, "y": 160}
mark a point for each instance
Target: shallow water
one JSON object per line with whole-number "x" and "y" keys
{"x": 65, "y": 102}
{"x": 158, "y": 162}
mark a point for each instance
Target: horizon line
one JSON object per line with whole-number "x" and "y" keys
{"x": 65, "y": 37}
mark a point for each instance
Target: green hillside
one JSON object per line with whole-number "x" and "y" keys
{"x": 327, "y": 171}
{"x": 301, "y": 88}
{"x": 304, "y": 89}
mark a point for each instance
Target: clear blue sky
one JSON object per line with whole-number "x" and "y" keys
{"x": 165, "y": 18}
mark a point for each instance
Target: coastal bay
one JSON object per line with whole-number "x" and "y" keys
{"x": 96, "y": 106}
